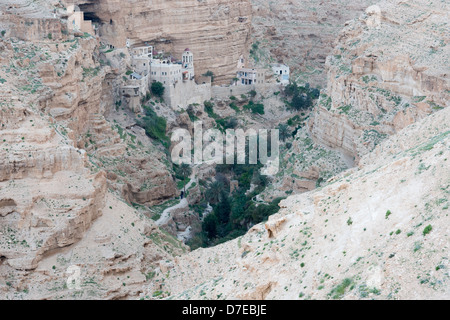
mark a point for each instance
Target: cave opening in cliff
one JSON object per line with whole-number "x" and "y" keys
{"x": 89, "y": 13}
{"x": 93, "y": 17}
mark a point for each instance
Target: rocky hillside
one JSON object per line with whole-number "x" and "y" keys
{"x": 217, "y": 31}
{"x": 300, "y": 33}
{"x": 81, "y": 182}
{"x": 375, "y": 231}
{"x": 379, "y": 231}
{"x": 56, "y": 210}
{"x": 388, "y": 70}
{"x": 384, "y": 74}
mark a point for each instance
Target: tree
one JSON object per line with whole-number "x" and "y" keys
{"x": 209, "y": 73}
{"x": 231, "y": 123}
{"x": 238, "y": 207}
{"x": 291, "y": 89}
{"x": 314, "y": 93}
{"x": 301, "y": 102}
{"x": 157, "y": 89}
{"x": 214, "y": 191}
{"x": 223, "y": 208}
{"x": 283, "y": 131}
{"x": 209, "y": 225}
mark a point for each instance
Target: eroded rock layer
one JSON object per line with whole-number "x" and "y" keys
{"x": 216, "y": 31}
{"x": 388, "y": 70}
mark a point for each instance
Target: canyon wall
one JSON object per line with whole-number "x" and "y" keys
{"x": 388, "y": 70}
{"x": 216, "y": 31}
{"x": 300, "y": 33}
{"x": 61, "y": 204}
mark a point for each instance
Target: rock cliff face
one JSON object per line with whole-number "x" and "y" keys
{"x": 300, "y": 33}
{"x": 55, "y": 208}
{"x": 31, "y": 21}
{"x": 74, "y": 92}
{"x": 48, "y": 198}
{"x": 69, "y": 157}
{"x": 217, "y": 31}
{"x": 389, "y": 69}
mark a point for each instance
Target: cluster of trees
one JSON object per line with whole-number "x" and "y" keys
{"x": 302, "y": 97}
{"x": 183, "y": 172}
{"x": 233, "y": 214}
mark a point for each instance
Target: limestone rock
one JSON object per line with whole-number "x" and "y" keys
{"x": 217, "y": 31}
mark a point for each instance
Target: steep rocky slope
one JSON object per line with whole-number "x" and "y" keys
{"x": 217, "y": 31}
{"x": 379, "y": 231}
{"x": 300, "y": 33}
{"x": 56, "y": 211}
{"x": 70, "y": 156}
{"x": 389, "y": 69}
{"x": 69, "y": 77}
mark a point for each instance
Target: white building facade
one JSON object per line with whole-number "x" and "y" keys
{"x": 281, "y": 72}
{"x": 166, "y": 72}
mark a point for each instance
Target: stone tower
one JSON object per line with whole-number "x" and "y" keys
{"x": 188, "y": 65}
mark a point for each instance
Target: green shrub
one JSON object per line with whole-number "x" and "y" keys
{"x": 427, "y": 230}
{"x": 388, "y": 213}
{"x": 157, "y": 89}
{"x": 209, "y": 109}
{"x": 155, "y": 126}
{"x": 255, "y": 107}
{"x": 234, "y": 107}
{"x": 339, "y": 291}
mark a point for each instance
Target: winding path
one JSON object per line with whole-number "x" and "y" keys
{"x": 165, "y": 216}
